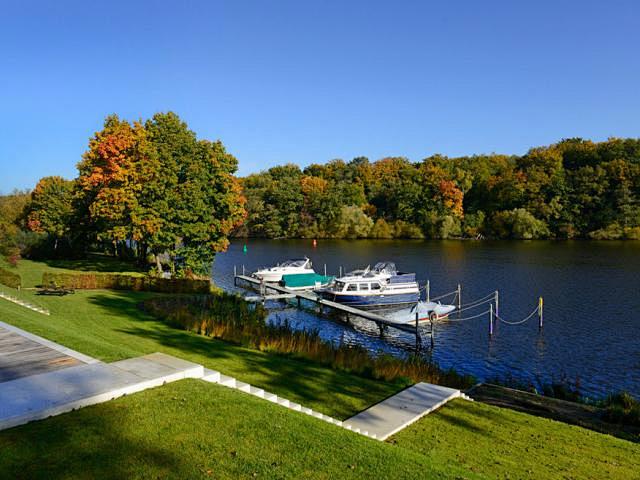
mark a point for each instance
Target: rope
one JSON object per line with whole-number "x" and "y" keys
{"x": 470, "y": 306}
{"x": 490, "y": 296}
{"x": 443, "y": 296}
{"x": 468, "y": 318}
{"x": 519, "y": 322}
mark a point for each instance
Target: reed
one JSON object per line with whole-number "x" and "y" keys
{"x": 230, "y": 318}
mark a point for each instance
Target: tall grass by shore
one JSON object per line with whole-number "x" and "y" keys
{"x": 230, "y": 318}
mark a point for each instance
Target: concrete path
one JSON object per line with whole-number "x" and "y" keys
{"x": 52, "y": 393}
{"x": 23, "y": 354}
{"x": 397, "y": 412}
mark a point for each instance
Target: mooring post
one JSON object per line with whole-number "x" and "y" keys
{"x": 497, "y": 302}
{"x": 459, "y": 297}
{"x": 235, "y": 276}
{"x": 433, "y": 326}
{"x": 243, "y": 270}
{"x": 540, "y": 305}
{"x": 428, "y": 288}
{"x": 340, "y": 271}
{"x": 491, "y": 320}
{"x": 325, "y": 269}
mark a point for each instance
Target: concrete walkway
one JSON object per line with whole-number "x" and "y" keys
{"x": 52, "y": 393}
{"x": 397, "y": 412}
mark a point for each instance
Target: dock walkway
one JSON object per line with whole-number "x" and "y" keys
{"x": 285, "y": 293}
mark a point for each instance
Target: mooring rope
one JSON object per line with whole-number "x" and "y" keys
{"x": 476, "y": 305}
{"x": 468, "y": 318}
{"x": 520, "y": 321}
{"x": 443, "y": 296}
{"x": 490, "y": 296}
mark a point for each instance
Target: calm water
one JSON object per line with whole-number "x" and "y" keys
{"x": 591, "y": 296}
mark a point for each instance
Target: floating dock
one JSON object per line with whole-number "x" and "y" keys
{"x": 283, "y": 293}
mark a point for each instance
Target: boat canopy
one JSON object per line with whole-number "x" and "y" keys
{"x": 385, "y": 267}
{"x": 296, "y": 262}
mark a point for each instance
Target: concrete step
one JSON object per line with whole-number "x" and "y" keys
{"x": 227, "y": 381}
{"x": 211, "y": 376}
{"x": 243, "y": 387}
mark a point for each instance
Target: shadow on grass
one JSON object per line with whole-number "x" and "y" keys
{"x": 301, "y": 380}
{"x": 93, "y": 442}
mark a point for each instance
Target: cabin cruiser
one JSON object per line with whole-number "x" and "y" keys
{"x": 380, "y": 287}
{"x": 424, "y": 310}
{"x": 295, "y": 266}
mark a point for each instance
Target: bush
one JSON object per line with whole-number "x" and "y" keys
{"x": 90, "y": 281}
{"x": 381, "y": 229}
{"x": 10, "y": 279}
{"x": 230, "y": 318}
{"x": 622, "y": 408}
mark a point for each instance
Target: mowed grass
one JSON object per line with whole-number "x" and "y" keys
{"x": 191, "y": 429}
{"x": 502, "y": 443}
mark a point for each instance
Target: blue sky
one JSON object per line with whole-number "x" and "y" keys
{"x": 304, "y": 82}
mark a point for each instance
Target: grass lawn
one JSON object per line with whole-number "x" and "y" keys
{"x": 192, "y": 429}
{"x": 502, "y": 443}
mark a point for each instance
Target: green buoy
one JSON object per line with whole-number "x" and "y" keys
{"x": 244, "y": 249}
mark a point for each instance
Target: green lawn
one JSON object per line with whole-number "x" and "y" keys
{"x": 183, "y": 429}
{"x": 191, "y": 429}
{"x": 502, "y": 443}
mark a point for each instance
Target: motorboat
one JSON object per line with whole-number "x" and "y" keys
{"x": 379, "y": 287}
{"x": 424, "y": 310}
{"x": 296, "y": 266}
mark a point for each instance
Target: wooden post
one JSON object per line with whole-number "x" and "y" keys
{"x": 459, "y": 297}
{"x": 540, "y": 305}
{"x": 491, "y": 320}
{"x": 497, "y": 302}
{"x": 428, "y": 288}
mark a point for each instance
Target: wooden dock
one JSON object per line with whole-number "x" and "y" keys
{"x": 285, "y": 293}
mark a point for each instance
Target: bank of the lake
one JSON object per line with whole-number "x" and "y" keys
{"x": 592, "y": 305}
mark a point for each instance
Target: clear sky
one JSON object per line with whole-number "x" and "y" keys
{"x": 308, "y": 81}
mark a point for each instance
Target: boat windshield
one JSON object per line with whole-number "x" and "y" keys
{"x": 385, "y": 267}
{"x": 296, "y": 262}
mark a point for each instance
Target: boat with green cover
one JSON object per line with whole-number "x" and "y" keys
{"x": 305, "y": 281}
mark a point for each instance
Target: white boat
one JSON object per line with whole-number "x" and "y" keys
{"x": 295, "y": 266}
{"x": 426, "y": 311}
{"x": 380, "y": 287}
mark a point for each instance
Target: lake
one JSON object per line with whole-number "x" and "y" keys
{"x": 591, "y": 296}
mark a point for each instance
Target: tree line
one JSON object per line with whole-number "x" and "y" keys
{"x": 572, "y": 189}
{"x": 151, "y": 191}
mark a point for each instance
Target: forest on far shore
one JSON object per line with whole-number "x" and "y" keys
{"x": 572, "y": 189}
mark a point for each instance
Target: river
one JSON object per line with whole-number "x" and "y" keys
{"x": 591, "y": 294}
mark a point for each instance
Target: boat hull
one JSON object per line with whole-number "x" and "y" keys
{"x": 374, "y": 301}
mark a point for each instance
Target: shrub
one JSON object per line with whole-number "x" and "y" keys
{"x": 10, "y": 279}
{"x": 89, "y": 281}
{"x": 622, "y": 408}
{"x": 230, "y": 318}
